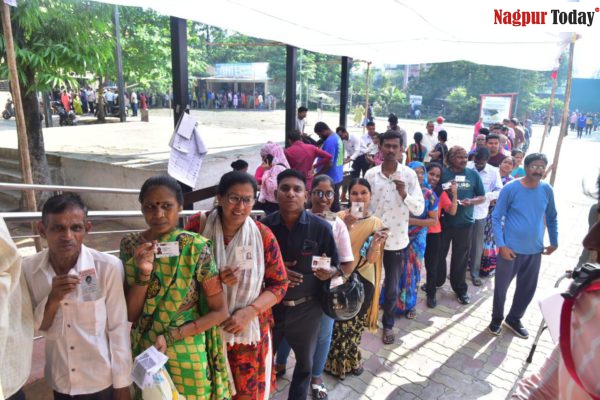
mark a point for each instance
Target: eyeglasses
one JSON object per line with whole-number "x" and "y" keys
{"x": 320, "y": 194}
{"x": 235, "y": 200}
{"x": 537, "y": 167}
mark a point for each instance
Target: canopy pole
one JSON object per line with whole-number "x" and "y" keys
{"x": 549, "y": 112}
{"x": 291, "y": 69}
{"x": 564, "y": 124}
{"x": 24, "y": 158}
{"x": 345, "y": 79}
{"x": 179, "y": 62}
{"x": 119, "y": 60}
{"x": 366, "y": 95}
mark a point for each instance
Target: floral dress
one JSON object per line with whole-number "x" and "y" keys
{"x": 411, "y": 276}
{"x": 490, "y": 251}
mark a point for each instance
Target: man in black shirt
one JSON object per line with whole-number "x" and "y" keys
{"x": 301, "y": 236}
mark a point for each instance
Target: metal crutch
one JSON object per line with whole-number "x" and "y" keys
{"x": 568, "y": 274}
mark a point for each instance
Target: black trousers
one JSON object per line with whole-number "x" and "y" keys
{"x": 106, "y": 394}
{"x": 434, "y": 263}
{"x": 394, "y": 263}
{"x": 300, "y": 327}
{"x": 359, "y": 167}
{"x": 460, "y": 238}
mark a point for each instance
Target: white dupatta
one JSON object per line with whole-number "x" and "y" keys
{"x": 250, "y": 281}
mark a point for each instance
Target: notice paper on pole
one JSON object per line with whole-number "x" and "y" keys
{"x": 11, "y": 2}
{"x": 187, "y": 152}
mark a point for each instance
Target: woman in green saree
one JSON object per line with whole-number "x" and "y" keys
{"x": 174, "y": 295}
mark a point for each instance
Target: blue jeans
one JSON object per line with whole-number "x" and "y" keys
{"x": 321, "y": 351}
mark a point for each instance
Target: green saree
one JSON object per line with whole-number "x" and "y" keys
{"x": 174, "y": 298}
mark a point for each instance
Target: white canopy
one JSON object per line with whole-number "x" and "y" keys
{"x": 394, "y": 31}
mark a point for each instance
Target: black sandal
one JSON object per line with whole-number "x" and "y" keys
{"x": 388, "y": 336}
{"x": 358, "y": 371}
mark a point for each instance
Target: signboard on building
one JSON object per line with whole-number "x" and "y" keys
{"x": 257, "y": 71}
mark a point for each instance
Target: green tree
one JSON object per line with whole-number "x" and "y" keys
{"x": 461, "y": 107}
{"x": 55, "y": 42}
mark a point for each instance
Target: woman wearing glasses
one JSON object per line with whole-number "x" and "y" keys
{"x": 322, "y": 196}
{"x": 252, "y": 269}
{"x": 175, "y": 299}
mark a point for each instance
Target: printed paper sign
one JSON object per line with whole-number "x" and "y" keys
{"x": 90, "y": 291}
{"x": 167, "y": 249}
{"x": 460, "y": 178}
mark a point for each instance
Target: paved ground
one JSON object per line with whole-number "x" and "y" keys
{"x": 445, "y": 353}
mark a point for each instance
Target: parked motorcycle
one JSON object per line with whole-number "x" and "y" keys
{"x": 64, "y": 117}
{"x": 9, "y": 109}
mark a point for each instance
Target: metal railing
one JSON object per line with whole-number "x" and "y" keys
{"x": 30, "y": 216}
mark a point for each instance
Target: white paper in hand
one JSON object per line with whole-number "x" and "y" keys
{"x": 146, "y": 365}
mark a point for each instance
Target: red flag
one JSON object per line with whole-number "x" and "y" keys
{"x": 554, "y": 74}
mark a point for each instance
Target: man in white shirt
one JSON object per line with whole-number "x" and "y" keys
{"x": 79, "y": 307}
{"x": 429, "y": 140}
{"x": 367, "y": 138}
{"x": 16, "y": 321}
{"x": 355, "y": 152}
{"x": 492, "y": 183}
{"x": 395, "y": 195}
{"x": 134, "y": 103}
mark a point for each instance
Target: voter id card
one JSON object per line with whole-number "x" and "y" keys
{"x": 243, "y": 257}
{"x": 167, "y": 249}
{"x": 320, "y": 263}
{"x": 90, "y": 290}
{"x": 358, "y": 209}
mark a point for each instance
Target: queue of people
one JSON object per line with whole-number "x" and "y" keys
{"x": 228, "y": 297}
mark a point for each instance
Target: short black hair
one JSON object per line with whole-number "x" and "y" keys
{"x": 535, "y": 157}
{"x": 294, "y": 136}
{"x": 302, "y": 109}
{"x": 320, "y": 127}
{"x": 291, "y": 173}
{"x": 239, "y": 165}
{"x": 391, "y": 135}
{"x": 235, "y": 178}
{"x": 165, "y": 181}
{"x": 516, "y": 151}
{"x": 443, "y": 135}
{"x": 60, "y": 203}
{"x": 370, "y": 123}
{"x": 393, "y": 118}
{"x": 482, "y": 154}
{"x": 484, "y": 131}
{"x": 321, "y": 178}
{"x": 340, "y": 129}
{"x": 492, "y": 136}
{"x": 433, "y": 165}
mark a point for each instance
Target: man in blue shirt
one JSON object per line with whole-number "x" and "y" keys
{"x": 518, "y": 223}
{"x": 332, "y": 144}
